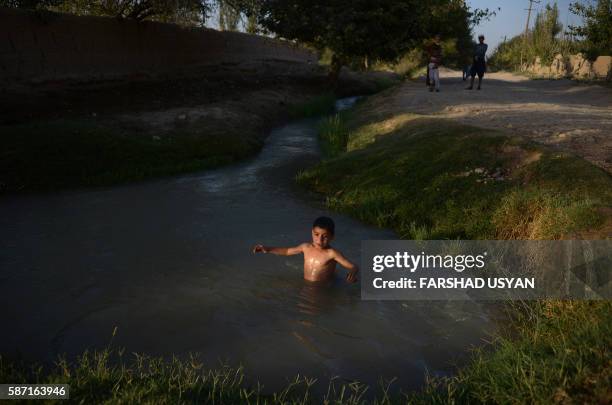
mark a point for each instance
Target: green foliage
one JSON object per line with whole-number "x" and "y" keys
{"x": 545, "y": 31}
{"x": 109, "y": 377}
{"x": 363, "y": 32}
{"x": 29, "y": 4}
{"x": 551, "y": 352}
{"x": 319, "y": 105}
{"x": 333, "y": 135}
{"x": 455, "y": 28}
{"x": 354, "y": 29}
{"x": 410, "y": 64}
{"x": 187, "y": 12}
{"x": 596, "y": 31}
{"x": 541, "y": 41}
{"x": 229, "y": 17}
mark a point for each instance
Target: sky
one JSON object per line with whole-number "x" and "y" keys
{"x": 511, "y": 19}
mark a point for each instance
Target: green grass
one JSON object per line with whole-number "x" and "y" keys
{"x": 552, "y": 352}
{"x": 69, "y": 153}
{"x": 435, "y": 178}
{"x": 333, "y": 135}
{"x": 111, "y": 377}
{"x": 384, "y": 83}
{"x": 319, "y": 105}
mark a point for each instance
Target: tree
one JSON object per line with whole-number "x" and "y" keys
{"x": 229, "y": 16}
{"x": 364, "y": 29}
{"x": 29, "y": 4}
{"x": 544, "y": 34}
{"x": 541, "y": 41}
{"x": 186, "y": 12}
{"x": 252, "y": 11}
{"x": 596, "y": 31}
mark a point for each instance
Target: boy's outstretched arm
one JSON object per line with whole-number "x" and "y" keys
{"x": 281, "y": 251}
{"x": 353, "y": 269}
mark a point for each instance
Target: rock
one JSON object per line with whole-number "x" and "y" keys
{"x": 559, "y": 67}
{"x": 156, "y": 138}
{"x": 479, "y": 170}
{"x": 580, "y": 66}
{"x": 182, "y": 117}
{"x": 602, "y": 67}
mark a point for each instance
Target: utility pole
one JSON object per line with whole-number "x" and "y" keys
{"x": 527, "y": 27}
{"x": 529, "y": 14}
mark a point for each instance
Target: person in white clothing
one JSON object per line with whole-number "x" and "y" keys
{"x": 435, "y": 60}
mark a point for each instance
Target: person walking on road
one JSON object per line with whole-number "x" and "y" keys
{"x": 434, "y": 51}
{"x": 479, "y": 65}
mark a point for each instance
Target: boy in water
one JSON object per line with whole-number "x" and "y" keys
{"x": 319, "y": 257}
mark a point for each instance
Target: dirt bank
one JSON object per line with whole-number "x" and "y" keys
{"x": 67, "y": 134}
{"x": 566, "y": 115}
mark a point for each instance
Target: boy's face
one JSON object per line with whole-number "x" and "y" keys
{"x": 321, "y": 237}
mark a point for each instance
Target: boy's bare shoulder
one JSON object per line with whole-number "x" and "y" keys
{"x": 334, "y": 252}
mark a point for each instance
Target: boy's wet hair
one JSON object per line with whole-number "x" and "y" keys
{"x": 325, "y": 223}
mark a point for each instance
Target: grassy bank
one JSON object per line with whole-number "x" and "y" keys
{"x": 113, "y": 377}
{"x": 551, "y": 352}
{"x": 431, "y": 178}
{"x": 66, "y": 153}
{"x": 435, "y": 179}
{"x": 69, "y": 153}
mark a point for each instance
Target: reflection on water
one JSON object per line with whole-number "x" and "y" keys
{"x": 169, "y": 263}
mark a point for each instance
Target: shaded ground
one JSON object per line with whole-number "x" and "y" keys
{"x": 567, "y": 115}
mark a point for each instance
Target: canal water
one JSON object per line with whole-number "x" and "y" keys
{"x": 168, "y": 262}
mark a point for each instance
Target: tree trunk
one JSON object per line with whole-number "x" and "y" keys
{"x": 334, "y": 69}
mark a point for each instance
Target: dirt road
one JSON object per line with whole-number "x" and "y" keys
{"x": 570, "y": 116}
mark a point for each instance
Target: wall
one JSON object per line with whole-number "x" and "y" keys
{"x": 44, "y": 46}
{"x": 574, "y": 66}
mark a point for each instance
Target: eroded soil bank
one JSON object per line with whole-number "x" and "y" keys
{"x": 64, "y": 135}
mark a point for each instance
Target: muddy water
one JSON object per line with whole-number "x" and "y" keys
{"x": 168, "y": 263}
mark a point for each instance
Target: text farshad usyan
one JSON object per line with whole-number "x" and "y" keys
{"x": 452, "y": 282}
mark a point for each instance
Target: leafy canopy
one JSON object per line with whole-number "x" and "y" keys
{"x": 596, "y": 31}
{"x": 378, "y": 29}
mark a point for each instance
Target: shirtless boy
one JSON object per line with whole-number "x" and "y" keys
{"x": 319, "y": 257}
